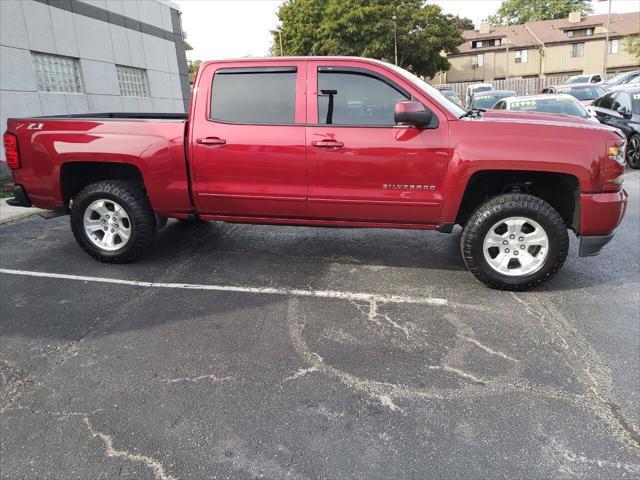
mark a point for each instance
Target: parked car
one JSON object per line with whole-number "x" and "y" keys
{"x": 488, "y": 99}
{"x": 559, "y": 103}
{"x": 376, "y": 146}
{"x": 449, "y": 93}
{"x": 585, "y": 93}
{"x": 586, "y": 78}
{"x": 476, "y": 88}
{"x": 620, "y": 108}
{"x": 622, "y": 79}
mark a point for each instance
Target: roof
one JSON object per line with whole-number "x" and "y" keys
{"x": 552, "y": 32}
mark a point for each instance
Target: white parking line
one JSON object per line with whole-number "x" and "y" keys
{"x": 353, "y": 296}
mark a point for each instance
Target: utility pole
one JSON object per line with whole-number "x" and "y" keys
{"x": 395, "y": 39}
{"x": 506, "y": 77}
{"x": 606, "y": 43}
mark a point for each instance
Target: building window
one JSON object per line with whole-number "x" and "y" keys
{"x": 477, "y": 61}
{"x": 55, "y": 73}
{"x": 577, "y": 49}
{"x": 497, "y": 42}
{"x": 522, "y": 56}
{"x": 133, "y": 81}
{"x": 614, "y": 46}
{"x": 476, "y": 44}
{"x": 582, "y": 32}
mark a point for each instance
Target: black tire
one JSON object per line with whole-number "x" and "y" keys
{"x": 500, "y": 208}
{"x": 134, "y": 201}
{"x": 633, "y": 151}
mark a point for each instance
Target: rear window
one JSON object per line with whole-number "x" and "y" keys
{"x": 488, "y": 101}
{"x": 566, "y": 106}
{"x": 263, "y": 95}
{"x": 583, "y": 93}
{"x": 635, "y": 103}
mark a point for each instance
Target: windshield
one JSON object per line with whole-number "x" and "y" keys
{"x": 488, "y": 101}
{"x": 617, "y": 79}
{"x": 635, "y": 103}
{"x": 579, "y": 79}
{"x": 583, "y": 93}
{"x": 564, "y": 106}
{"x": 451, "y": 106}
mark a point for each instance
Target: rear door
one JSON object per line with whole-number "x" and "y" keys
{"x": 361, "y": 166}
{"x": 248, "y": 140}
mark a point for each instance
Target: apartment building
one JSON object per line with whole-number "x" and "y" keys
{"x": 552, "y": 47}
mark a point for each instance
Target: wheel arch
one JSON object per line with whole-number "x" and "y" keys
{"x": 560, "y": 190}
{"x": 76, "y": 175}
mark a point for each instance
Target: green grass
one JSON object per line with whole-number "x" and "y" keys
{"x": 4, "y": 193}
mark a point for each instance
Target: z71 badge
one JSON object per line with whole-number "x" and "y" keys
{"x": 395, "y": 186}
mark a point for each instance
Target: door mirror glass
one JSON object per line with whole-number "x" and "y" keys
{"x": 413, "y": 113}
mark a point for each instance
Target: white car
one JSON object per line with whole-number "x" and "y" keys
{"x": 585, "y": 78}
{"x": 561, "y": 104}
{"x": 475, "y": 88}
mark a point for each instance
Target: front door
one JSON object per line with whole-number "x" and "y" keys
{"x": 248, "y": 140}
{"x": 361, "y": 166}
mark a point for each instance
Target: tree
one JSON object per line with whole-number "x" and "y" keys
{"x": 632, "y": 46}
{"x": 367, "y": 28}
{"x": 464, "y": 23}
{"x": 193, "y": 69}
{"x": 516, "y": 12}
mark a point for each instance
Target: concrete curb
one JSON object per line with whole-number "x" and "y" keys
{"x": 9, "y": 213}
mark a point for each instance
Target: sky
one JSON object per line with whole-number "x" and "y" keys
{"x": 219, "y": 29}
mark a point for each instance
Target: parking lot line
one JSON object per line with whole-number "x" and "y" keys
{"x": 352, "y": 296}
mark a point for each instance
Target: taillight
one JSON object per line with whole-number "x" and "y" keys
{"x": 614, "y": 167}
{"x": 11, "y": 150}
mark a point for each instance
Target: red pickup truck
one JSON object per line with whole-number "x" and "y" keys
{"x": 332, "y": 142}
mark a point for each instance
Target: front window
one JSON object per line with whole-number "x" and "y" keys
{"x": 577, "y": 49}
{"x": 420, "y": 84}
{"x": 356, "y": 98}
{"x": 579, "y": 79}
{"x": 262, "y": 95}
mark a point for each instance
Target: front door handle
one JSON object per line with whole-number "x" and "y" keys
{"x": 327, "y": 144}
{"x": 211, "y": 141}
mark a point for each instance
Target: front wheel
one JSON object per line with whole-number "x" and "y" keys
{"x": 514, "y": 242}
{"x": 633, "y": 151}
{"x": 113, "y": 221}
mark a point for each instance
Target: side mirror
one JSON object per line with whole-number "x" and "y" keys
{"x": 624, "y": 111}
{"x": 412, "y": 113}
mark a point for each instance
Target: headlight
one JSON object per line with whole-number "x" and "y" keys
{"x": 617, "y": 152}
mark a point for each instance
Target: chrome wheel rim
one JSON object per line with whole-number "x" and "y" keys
{"x": 516, "y": 246}
{"x": 107, "y": 225}
{"x": 634, "y": 151}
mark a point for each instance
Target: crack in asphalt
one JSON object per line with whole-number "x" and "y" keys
{"x": 583, "y": 359}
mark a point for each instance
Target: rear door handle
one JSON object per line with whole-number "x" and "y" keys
{"x": 211, "y": 141}
{"x": 327, "y": 144}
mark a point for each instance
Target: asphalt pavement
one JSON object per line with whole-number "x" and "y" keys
{"x": 243, "y": 351}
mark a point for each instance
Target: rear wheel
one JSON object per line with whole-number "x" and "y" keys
{"x": 633, "y": 151}
{"x": 112, "y": 221}
{"x": 514, "y": 242}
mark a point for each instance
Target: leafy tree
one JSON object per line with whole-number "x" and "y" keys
{"x": 521, "y": 11}
{"x": 464, "y": 23}
{"x": 632, "y": 46}
{"x": 367, "y": 28}
{"x": 193, "y": 69}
